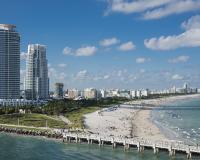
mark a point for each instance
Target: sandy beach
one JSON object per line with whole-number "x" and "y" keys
{"x": 110, "y": 122}
{"x": 128, "y": 122}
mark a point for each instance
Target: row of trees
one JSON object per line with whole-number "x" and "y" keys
{"x": 56, "y": 107}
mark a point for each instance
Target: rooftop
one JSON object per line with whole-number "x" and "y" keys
{"x": 7, "y": 26}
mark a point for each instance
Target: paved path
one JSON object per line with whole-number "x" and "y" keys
{"x": 64, "y": 119}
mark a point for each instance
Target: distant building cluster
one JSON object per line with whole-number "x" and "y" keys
{"x": 92, "y": 93}
{"x": 184, "y": 90}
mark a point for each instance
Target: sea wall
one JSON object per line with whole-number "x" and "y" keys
{"x": 29, "y": 132}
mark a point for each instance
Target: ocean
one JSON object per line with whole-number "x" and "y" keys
{"x": 180, "y": 120}
{"x": 182, "y": 123}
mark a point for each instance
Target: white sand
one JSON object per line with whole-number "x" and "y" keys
{"x": 129, "y": 122}
{"x": 110, "y": 123}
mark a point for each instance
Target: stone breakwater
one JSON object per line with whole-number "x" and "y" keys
{"x": 28, "y": 132}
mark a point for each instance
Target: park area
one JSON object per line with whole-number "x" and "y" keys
{"x": 33, "y": 120}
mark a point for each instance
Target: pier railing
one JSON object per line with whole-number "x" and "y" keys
{"x": 141, "y": 144}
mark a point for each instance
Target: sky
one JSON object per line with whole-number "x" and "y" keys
{"x": 129, "y": 44}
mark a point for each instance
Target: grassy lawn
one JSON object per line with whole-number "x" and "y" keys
{"x": 76, "y": 117}
{"x": 35, "y": 120}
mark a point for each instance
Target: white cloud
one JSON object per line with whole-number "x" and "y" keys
{"x": 177, "y": 7}
{"x": 128, "y": 46}
{"x": 192, "y": 23}
{"x": 96, "y": 78}
{"x": 82, "y": 51}
{"x": 23, "y": 55}
{"x": 142, "y": 60}
{"x": 83, "y": 74}
{"x": 142, "y": 71}
{"x": 119, "y": 73}
{"x": 62, "y": 76}
{"x": 189, "y": 38}
{"x": 99, "y": 77}
{"x": 177, "y": 77}
{"x": 179, "y": 59}
{"x": 56, "y": 76}
{"x": 62, "y": 65}
{"x": 67, "y": 51}
{"x": 128, "y": 7}
{"x": 152, "y": 9}
{"x": 86, "y": 51}
{"x": 109, "y": 42}
{"x": 106, "y": 77}
{"x": 52, "y": 72}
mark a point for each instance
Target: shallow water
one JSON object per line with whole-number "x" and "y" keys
{"x": 182, "y": 122}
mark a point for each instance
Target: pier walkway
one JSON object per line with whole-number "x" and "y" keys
{"x": 171, "y": 146}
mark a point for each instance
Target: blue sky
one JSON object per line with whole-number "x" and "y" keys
{"x": 112, "y": 43}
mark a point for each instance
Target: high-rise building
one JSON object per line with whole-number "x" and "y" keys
{"x": 9, "y": 62}
{"x": 73, "y": 93}
{"x": 36, "y": 81}
{"x": 185, "y": 86}
{"x": 90, "y": 93}
{"x": 139, "y": 93}
{"x": 59, "y": 90}
{"x": 133, "y": 93}
{"x": 103, "y": 93}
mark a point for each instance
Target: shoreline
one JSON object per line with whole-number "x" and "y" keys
{"x": 140, "y": 123}
{"x": 159, "y": 131}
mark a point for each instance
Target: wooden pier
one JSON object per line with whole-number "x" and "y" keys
{"x": 171, "y": 146}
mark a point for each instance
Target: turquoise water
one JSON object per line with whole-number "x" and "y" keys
{"x": 180, "y": 120}
{"x": 183, "y": 124}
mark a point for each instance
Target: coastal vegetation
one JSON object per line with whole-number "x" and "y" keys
{"x": 38, "y": 116}
{"x": 34, "y": 120}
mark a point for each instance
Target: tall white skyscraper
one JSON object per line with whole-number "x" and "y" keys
{"x": 36, "y": 81}
{"x": 9, "y": 62}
